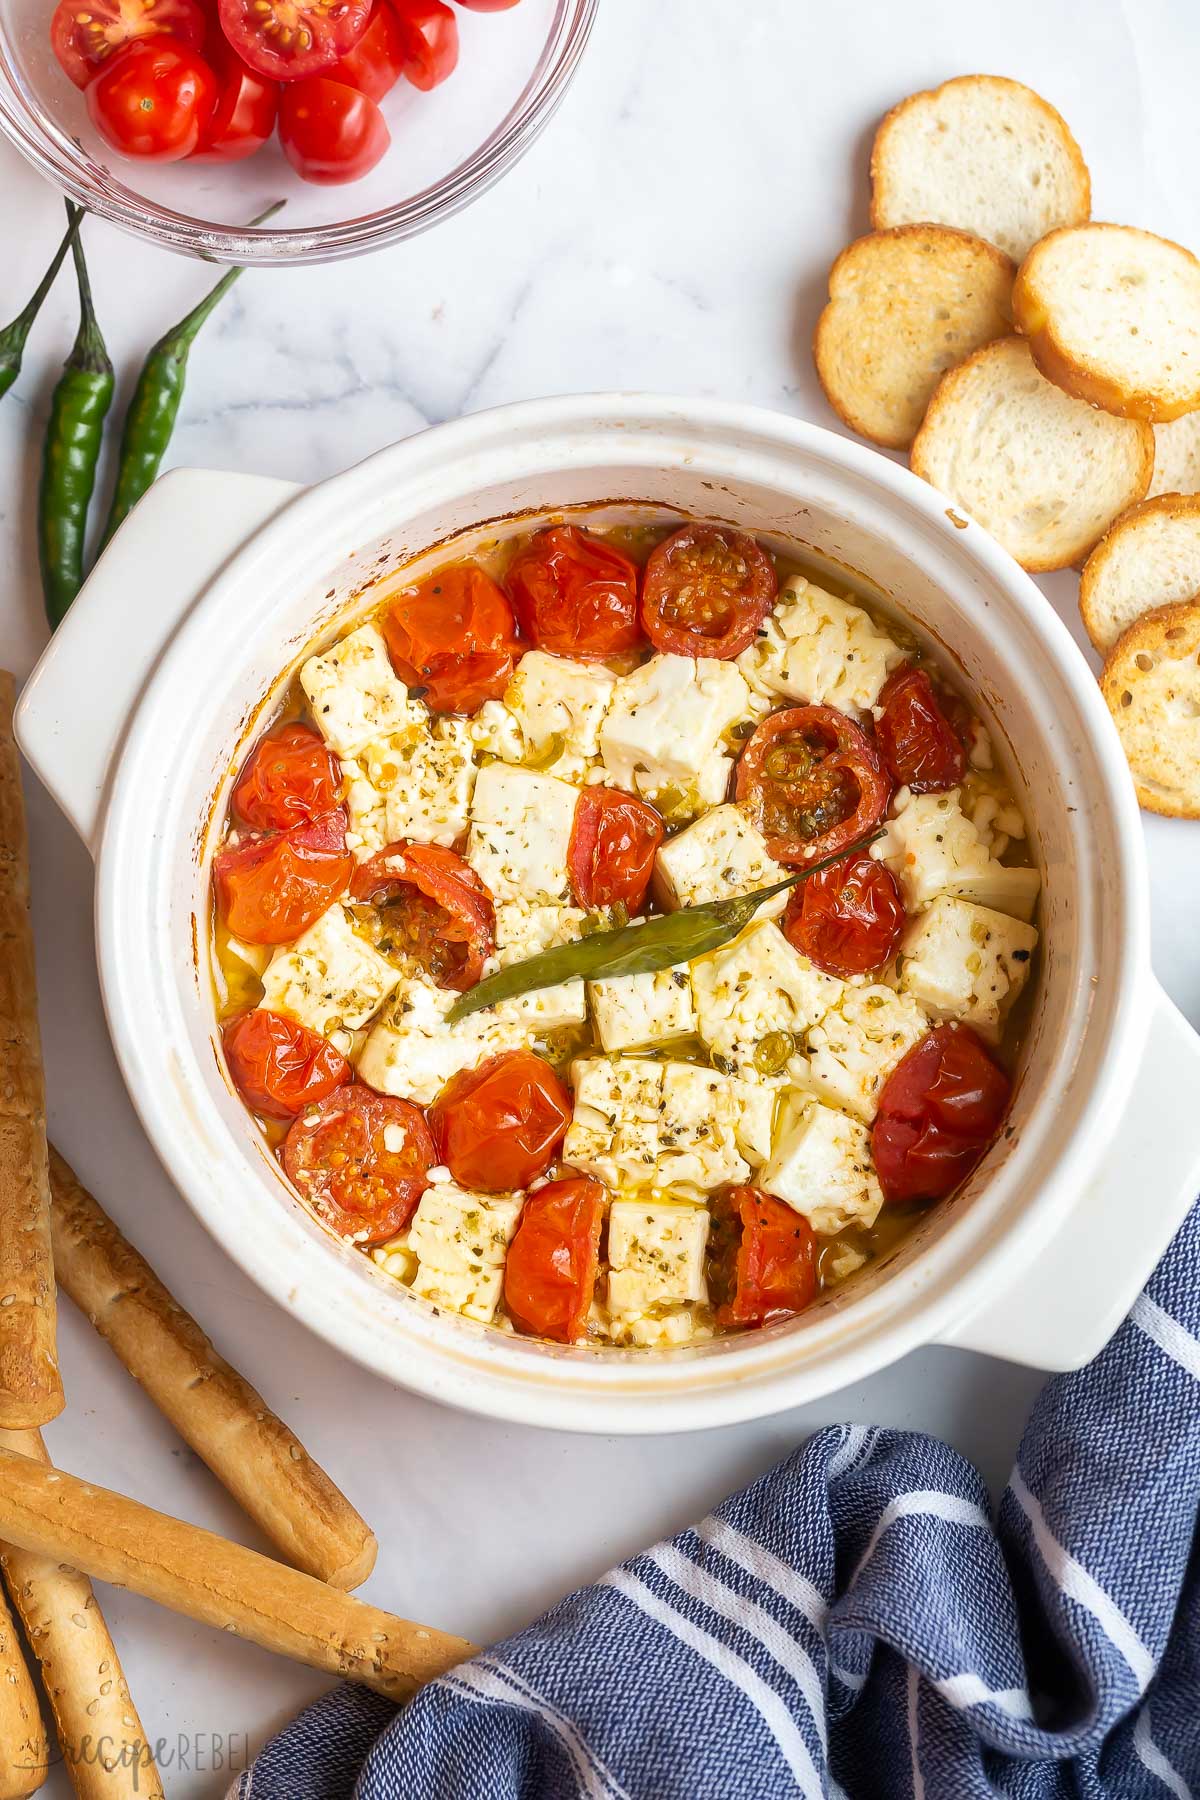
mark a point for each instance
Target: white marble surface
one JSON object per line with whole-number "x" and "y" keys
{"x": 670, "y": 231}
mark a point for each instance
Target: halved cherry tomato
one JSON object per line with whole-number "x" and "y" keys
{"x": 765, "y": 1258}
{"x": 289, "y": 779}
{"x": 550, "y": 1270}
{"x": 846, "y": 919}
{"x": 610, "y": 857}
{"x": 431, "y": 905}
{"x": 279, "y": 1067}
{"x": 270, "y": 889}
{"x": 706, "y": 591}
{"x": 497, "y": 1127}
{"x": 376, "y": 63}
{"x": 575, "y": 595}
{"x": 153, "y": 100}
{"x": 453, "y": 636}
{"x": 918, "y": 744}
{"x": 330, "y": 133}
{"x": 288, "y": 39}
{"x": 939, "y": 1111}
{"x": 430, "y": 33}
{"x": 812, "y": 782}
{"x": 244, "y": 116}
{"x": 85, "y": 36}
{"x": 360, "y": 1160}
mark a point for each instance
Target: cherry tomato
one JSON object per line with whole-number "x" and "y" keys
{"x": 84, "y": 36}
{"x": 497, "y": 1127}
{"x": 430, "y": 33}
{"x": 360, "y": 1160}
{"x": 765, "y": 1258}
{"x": 289, "y": 779}
{"x": 270, "y": 889}
{"x": 154, "y": 100}
{"x": 376, "y": 63}
{"x": 846, "y": 919}
{"x": 429, "y": 904}
{"x": 575, "y": 595}
{"x": 278, "y": 1066}
{"x": 939, "y": 1111}
{"x": 244, "y": 116}
{"x": 453, "y": 636}
{"x": 919, "y": 746}
{"x": 611, "y": 853}
{"x": 550, "y": 1270}
{"x": 706, "y": 592}
{"x": 288, "y": 39}
{"x": 812, "y": 783}
{"x": 330, "y": 133}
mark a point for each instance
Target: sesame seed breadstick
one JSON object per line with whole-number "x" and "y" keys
{"x": 205, "y": 1577}
{"x": 226, "y": 1422}
{"x": 30, "y": 1385}
{"x": 24, "y": 1752}
{"x": 103, "y": 1742}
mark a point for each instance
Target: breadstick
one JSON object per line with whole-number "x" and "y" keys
{"x": 206, "y": 1577}
{"x": 30, "y": 1384}
{"x": 103, "y": 1743}
{"x": 227, "y": 1424}
{"x": 24, "y": 1752}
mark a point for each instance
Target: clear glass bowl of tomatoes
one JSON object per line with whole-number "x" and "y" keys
{"x": 183, "y": 120}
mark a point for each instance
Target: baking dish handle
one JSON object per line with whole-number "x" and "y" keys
{"x": 1064, "y": 1308}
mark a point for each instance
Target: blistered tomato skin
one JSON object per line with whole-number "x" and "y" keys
{"x": 766, "y": 1265}
{"x": 431, "y": 906}
{"x": 939, "y": 1113}
{"x": 574, "y": 595}
{"x": 453, "y": 639}
{"x": 278, "y": 1066}
{"x": 497, "y": 1127}
{"x": 847, "y": 919}
{"x": 918, "y": 743}
{"x": 288, "y": 779}
{"x": 361, "y": 1161}
{"x": 707, "y": 589}
{"x": 550, "y": 1270}
{"x": 270, "y": 889}
{"x": 613, "y": 844}
{"x": 812, "y": 782}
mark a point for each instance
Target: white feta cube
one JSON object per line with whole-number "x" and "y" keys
{"x": 720, "y": 856}
{"x": 558, "y": 706}
{"x": 330, "y": 979}
{"x": 356, "y": 696}
{"x": 966, "y": 962}
{"x": 821, "y": 1166}
{"x": 759, "y": 987}
{"x": 664, "y": 735}
{"x": 641, "y": 1123}
{"x": 366, "y": 829}
{"x": 655, "y": 1255}
{"x": 454, "y": 1228}
{"x": 475, "y": 1293}
{"x": 495, "y": 733}
{"x": 756, "y": 1102}
{"x": 636, "y": 1011}
{"x": 857, "y": 1044}
{"x": 427, "y": 787}
{"x": 658, "y": 1331}
{"x": 520, "y": 832}
{"x": 819, "y": 650}
{"x": 525, "y": 929}
{"x": 412, "y": 1052}
{"x": 932, "y": 848}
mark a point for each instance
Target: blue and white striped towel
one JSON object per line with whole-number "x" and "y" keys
{"x": 856, "y": 1623}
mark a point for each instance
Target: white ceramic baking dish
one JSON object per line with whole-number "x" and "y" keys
{"x": 215, "y": 585}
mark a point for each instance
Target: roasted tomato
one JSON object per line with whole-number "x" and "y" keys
{"x": 706, "y": 592}
{"x": 453, "y": 636}
{"x": 497, "y": 1127}
{"x": 919, "y": 745}
{"x": 765, "y": 1258}
{"x": 575, "y": 595}
{"x": 270, "y": 889}
{"x": 613, "y": 843}
{"x": 550, "y": 1270}
{"x": 280, "y": 1067}
{"x": 376, "y": 63}
{"x": 154, "y": 100}
{"x": 360, "y": 1159}
{"x": 84, "y": 36}
{"x": 431, "y": 905}
{"x": 287, "y": 39}
{"x": 812, "y": 783}
{"x": 247, "y": 103}
{"x": 846, "y": 919}
{"x": 939, "y": 1111}
{"x": 430, "y": 33}
{"x": 289, "y": 779}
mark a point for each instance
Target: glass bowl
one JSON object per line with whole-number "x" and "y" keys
{"x": 447, "y": 147}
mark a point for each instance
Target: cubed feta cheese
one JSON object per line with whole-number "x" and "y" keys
{"x": 412, "y": 1052}
{"x": 460, "y": 1240}
{"x": 664, "y": 734}
{"x": 662, "y": 1331}
{"x": 558, "y": 706}
{"x": 525, "y": 929}
{"x": 494, "y": 732}
{"x": 857, "y": 1044}
{"x": 473, "y": 1292}
{"x": 428, "y": 790}
{"x": 655, "y": 1256}
{"x": 636, "y": 1011}
{"x": 932, "y": 848}
{"x": 520, "y": 832}
{"x": 720, "y": 856}
{"x": 640, "y": 1123}
{"x": 366, "y": 830}
{"x": 821, "y": 1166}
{"x": 756, "y": 1102}
{"x": 819, "y": 650}
{"x": 330, "y": 979}
{"x": 966, "y": 962}
{"x": 755, "y": 988}
{"x": 355, "y": 695}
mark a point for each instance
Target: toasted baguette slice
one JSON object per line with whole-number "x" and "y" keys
{"x": 1177, "y": 456}
{"x": 1112, "y": 315}
{"x": 1151, "y": 682}
{"x": 1150, "y": 557}
{"x": 1043, "y": 473}
{"x": 985, "y": 154}
{"x": 905, "y": 306}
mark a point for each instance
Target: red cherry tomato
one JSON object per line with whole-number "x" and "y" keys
{"x": 706, "y": 592}
{"x": 939, "y": 1111}
{"x": 550, "y": 1270}
{"x": 376, "y": 63}
{"x": 278, "y": 1066}
{"x": 360, "y": 1160}
{"x": 453, "y": 636}
{"x": 765, "y": 1258}
{"x": 497, "y": 1127}
{"x": 430, "y": 905}
{"x": 244, "y": 116}
{"x": 289, "y": 779}
{"x": 330, "y": 133}
{"x": 575, "y": 595}
{"x": 613, "y": 843}
{"x": 919, "y": 746}
{"x": 846, "y": 919}
{"x": 270, "y": 889}
{"x": 430, "y": 33}
{"x": 154, "y": 100}
{"x": 286, "y": 40}
{"x": 84, "y": 36}
{"x": 812, "y": 782}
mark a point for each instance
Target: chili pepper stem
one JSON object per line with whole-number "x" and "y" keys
{"x": 14, "y": 335}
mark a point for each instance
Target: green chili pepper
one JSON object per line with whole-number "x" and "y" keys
{"x": 12, "y": 338}
{"x": 657, "y": 943}
{"x": 154, "y": 407}
{"x": 73, "y": 432}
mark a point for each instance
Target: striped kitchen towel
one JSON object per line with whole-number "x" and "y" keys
{"x": 856, "y": 1623}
